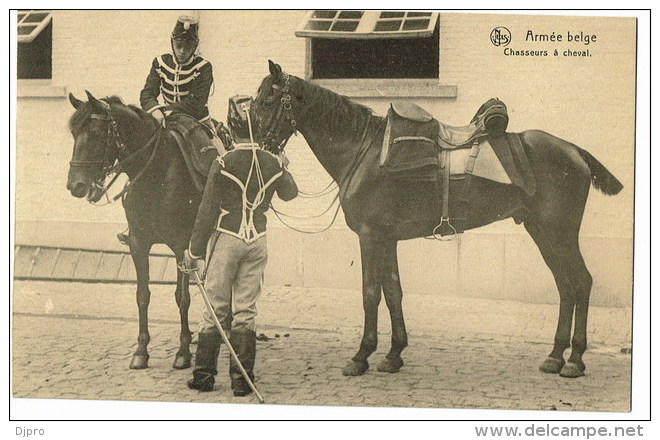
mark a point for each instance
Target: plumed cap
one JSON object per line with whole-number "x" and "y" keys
{"x": 186, "y": 28}
{"x": 237, "y": 116}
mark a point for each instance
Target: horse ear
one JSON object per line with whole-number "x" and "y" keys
{"x": 274, "y": 68}
{"x": 76, "y": 103}
{"x": 96, "y": 104}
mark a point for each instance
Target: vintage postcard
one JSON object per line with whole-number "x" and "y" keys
{"x": 327, "y": 210}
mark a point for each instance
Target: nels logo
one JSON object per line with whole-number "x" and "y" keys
{"x": 500, "y": 36}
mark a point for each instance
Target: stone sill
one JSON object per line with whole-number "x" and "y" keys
{"x": 389, "y": 88}
{"x": 35, "y": 88}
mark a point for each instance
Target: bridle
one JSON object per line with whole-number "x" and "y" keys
{"x": 283, "y": 114}
{"x": 109, "y": 159}
{"x": 115, "y": 159}
{"x": 279, "y": 119}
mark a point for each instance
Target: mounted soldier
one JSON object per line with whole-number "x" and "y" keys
{"x": 183, "y": 81}
{"x": 230, "y": 230}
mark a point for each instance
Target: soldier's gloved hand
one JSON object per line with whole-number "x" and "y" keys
{"x": 190, "y": 263}
{"x": 160, "y": 116}
{"x": 284, "y": 159}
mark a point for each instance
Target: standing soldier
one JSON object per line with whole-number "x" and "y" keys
{"x": 238, "y": 192}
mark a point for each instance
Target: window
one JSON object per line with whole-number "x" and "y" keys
{"x": 368, "y": 24}
{"x": 372, "y": 44}
{"x": 35, "y": 43}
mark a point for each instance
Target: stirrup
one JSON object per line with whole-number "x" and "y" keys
{"x": 444, "y": 224}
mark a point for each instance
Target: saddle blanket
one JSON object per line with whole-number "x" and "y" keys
{"x": 486, "y": 163}
{"x": 500, "y": 159}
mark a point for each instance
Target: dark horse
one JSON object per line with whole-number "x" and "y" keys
{"x": 346, "y": 138}
{"x": 160, "y": 205}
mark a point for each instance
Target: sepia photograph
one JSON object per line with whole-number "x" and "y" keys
{"x": 328, "y": 214}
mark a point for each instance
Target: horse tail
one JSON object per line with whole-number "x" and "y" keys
{"x": 601, "y": 178}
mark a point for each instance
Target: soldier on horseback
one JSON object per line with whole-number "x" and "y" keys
{"x": 238, "y": 192}
{"x": 183, "y": 79}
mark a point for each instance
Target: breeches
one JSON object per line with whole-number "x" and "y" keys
{"x": 233, "y": 282}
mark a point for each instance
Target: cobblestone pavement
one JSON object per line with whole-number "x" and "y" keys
{"x": 75, "y": 341}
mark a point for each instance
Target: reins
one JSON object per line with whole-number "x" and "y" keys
{"x": 280, "y": 214}
{"x": 328, "y": 189}
{"x": 155, "y": 138}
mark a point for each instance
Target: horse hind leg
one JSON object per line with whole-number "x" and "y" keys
{"x": 183, "y": 356}
{"x": 393, "y": 295}
{"x": 582, "y": 282}
{"x": 372, "y": 265}
{"x": 577, "y": 282}
{"x": 560, "y": 250}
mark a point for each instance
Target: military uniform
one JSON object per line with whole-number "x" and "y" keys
{"x": 238, "y": 192}
{"x": 182, "y": 78}
{"x": 184, "y": 88}
{"x": 184, "y": 82}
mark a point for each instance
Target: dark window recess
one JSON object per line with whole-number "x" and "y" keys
{"x": 34, "y": 59}
{"x": 344, "y": 58}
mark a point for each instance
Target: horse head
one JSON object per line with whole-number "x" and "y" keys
{"x": 95, "y": 127}
{"x": 272, "y": 110}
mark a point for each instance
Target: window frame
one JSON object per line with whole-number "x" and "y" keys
{"x": 377, "y": 88}
{"x": 366, "y": 28}
{"x": 40, "y": 26}
{"x": 36, "y": 87}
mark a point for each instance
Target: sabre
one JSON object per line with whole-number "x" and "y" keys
{"x": 222, "y": 332}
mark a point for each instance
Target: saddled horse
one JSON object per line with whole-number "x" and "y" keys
{"x": 160, "y": 204}
{"x": 346, "y": 138}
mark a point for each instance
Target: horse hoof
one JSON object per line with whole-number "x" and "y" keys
{"x": 552, "y": 365}
{"x": 139, "y": 362}
{"x": 181, "y": 362}
{"x": 354, "y": 368}
{"x": 572, "y": 369}
{"x": 388, "y": 365}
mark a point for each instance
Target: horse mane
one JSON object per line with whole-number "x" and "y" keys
{"x": 339, "y": 108}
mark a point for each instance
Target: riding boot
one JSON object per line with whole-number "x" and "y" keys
{"x": 206, "y": 361}
{"x": 123, "y": 237}
{"x": 245, "y": 346}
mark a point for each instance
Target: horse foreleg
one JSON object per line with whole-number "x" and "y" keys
{"x": 182, "y": 295}
{"x": 393, "y": 295}
{"x": 140, "y": 256}
{"x": 372, "y": 262}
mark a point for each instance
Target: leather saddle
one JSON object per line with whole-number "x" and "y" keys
{"x": 418, "y": 147}
{"x": 490, "y": 120}
{"x": 413, "y": 137}
{"x": 199, "y": 145}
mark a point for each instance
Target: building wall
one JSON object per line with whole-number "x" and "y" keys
{"x": 589, "y": 102}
